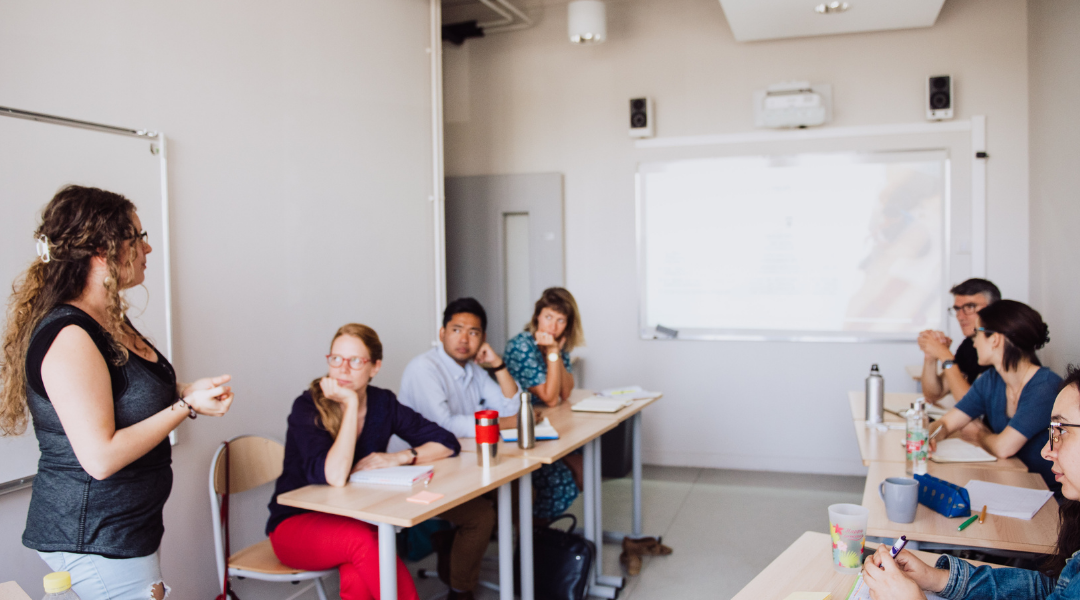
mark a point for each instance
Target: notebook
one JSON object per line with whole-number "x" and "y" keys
{"x": 630, "y": 392}
{"x": 544, "y": 431}
{"x": 601, "y": 405}
{"x": 860, "y": 591}
{"x": 955, "y": 450}
{"x": 1006, "y": 500}
{"x": 400, "y": 476}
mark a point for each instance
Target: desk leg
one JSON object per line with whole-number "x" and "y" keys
{"x": 525, "y": 535}
{"x": 591, "y": 525}
{"x": 598, "y": 499}
{"x": 387, "y": 561}
{"x": 635, "y": 424}
{"x": 506, "y": 544}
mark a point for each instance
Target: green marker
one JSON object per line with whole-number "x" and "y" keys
{"x": 968, "y": 522}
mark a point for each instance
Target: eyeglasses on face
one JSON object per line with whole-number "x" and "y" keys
{"x": 335, "y": 360}
{"x": 1056, "y": 429}
{"x": 968, "y": 309}
{"x": 143, "y": 236}
{"x": 985, "y": 331}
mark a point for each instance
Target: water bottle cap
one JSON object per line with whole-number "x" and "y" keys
{"x": 874, "y": 367}
{"x": 57, "y": 582}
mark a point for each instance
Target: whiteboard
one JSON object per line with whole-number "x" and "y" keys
{"x": 842, "y": 246}
{"x": 36, "y": 160}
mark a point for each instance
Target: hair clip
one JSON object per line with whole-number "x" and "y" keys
{"x": 43, "y": 248}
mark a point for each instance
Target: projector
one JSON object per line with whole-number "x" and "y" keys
{"x": 792, "y": 104}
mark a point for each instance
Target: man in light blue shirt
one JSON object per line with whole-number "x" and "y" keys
{"x": 448, "y": 383}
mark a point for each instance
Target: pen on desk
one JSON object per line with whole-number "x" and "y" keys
{"x": 897, "y": 546}
{"x": 430, "y": 476}
{"x": 964, "y": 525}
{"x": 982, "y": 515}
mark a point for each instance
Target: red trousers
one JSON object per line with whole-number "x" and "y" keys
{"x": 316, "y": 541}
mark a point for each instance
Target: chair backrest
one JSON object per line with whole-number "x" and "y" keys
{"x": 253, "y": 461}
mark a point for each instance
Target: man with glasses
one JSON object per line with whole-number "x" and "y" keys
{"x": 959, "y": 370}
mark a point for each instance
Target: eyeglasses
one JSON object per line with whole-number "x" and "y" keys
{"x": 355, "y": 362}
{"x": 142, "y": 235}
{"x": 1056, "y": 429}
{"x": 968, "y": 309}
{"x": 985, "y": 331}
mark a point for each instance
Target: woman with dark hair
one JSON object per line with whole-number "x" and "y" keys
{"x": 538, "y": 358}
{"x": 339, "y": 426}
{"x": 906, "y": 577}
{"x": 1015, "y": 396}
{"x": 103, "y": 399}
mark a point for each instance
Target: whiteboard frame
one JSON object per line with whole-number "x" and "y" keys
{"x": 158, "y": 146}
{"x": 646, "y": 332}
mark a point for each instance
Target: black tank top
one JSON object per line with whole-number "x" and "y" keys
{"x": 70, "y": 511}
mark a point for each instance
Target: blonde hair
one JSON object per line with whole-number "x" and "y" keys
{"x": 78, "y": 224}
{"x": 330, "y": 411}
{"x": 561, "y": 301}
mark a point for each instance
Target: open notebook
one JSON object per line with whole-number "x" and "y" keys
{"x": 955, "y": 450}
{"x": 401, "y": 476}
{"x": 1006, "y": 500}
{"x": 601, "y": 404}
{"x": 860, "y": 591}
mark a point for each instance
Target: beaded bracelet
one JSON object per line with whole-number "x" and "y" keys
{"x": 191, "y": 411}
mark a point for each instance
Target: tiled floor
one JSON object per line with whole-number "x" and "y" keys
{"x": 725, "y": 527}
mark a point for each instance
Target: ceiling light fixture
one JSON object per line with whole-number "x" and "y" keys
{"x": 831, "y": 8}
{"x": 586, "y": 21}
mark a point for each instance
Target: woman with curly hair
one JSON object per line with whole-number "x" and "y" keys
{"x": 102, "y": 398}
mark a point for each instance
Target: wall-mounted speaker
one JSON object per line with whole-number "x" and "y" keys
{"x": 940, "y": 98}
{"x": 641, "y": 118}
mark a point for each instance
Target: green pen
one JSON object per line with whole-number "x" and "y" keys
{"x": 968, "y": 522}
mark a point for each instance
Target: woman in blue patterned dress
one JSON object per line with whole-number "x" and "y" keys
{"x": 539, "y": 359}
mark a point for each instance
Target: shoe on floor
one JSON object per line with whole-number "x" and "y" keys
{"x": 647, "y": 546}
{"x": 632, "y": 563}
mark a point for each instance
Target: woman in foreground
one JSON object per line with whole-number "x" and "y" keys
{"x": 905, "y": 577}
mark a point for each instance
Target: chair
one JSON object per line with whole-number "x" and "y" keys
{"x": 253, "y": 461}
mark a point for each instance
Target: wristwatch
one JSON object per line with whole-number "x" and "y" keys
{"x": 553, "y": 356}
{"x": 414, "y": 456}
{"x": 946, "y": 364}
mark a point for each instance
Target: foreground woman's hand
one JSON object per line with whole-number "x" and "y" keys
{"x": 210, "y": 396}
{"x": 902, "y": 578}
{"x": 382, "y": 460}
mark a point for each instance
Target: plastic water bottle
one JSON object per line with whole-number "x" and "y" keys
{"x": 58, "y": 587}
{"x": 917, "y": 439}
{"x": 875, "y": 396}
{"x": 526, "y": 423}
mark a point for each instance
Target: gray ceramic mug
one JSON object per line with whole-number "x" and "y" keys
{"x": 901, "y": 497}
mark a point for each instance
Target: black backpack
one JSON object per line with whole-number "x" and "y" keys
{"x": 562, "y": 561}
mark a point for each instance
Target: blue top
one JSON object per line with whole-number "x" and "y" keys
{"x": 526, "y": 362}
{"x": 1032, "y": 418}
{"x": 307, "y": 442}
{"x": 449, "y": 394}
{"x": 986, "y": 583}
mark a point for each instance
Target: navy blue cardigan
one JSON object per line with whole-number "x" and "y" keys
{"x": 307, "y": 442}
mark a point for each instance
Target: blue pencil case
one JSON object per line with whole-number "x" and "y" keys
{"x": 946, "y": 498}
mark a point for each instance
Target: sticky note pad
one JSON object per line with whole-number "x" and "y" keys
{"x": 809, "y": 596}
{"x": 424, "y": 497}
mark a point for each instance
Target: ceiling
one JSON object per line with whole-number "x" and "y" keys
{"x": 753, "y": 20}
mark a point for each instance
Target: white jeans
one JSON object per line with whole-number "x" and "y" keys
{"x": 95, "y": 577}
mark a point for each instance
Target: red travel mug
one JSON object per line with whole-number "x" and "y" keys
{"x": 487, "y": 438}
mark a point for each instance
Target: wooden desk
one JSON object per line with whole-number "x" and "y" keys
{"x": 10, "y": 590}
{"x": 574, "y": 432}
{"x": 806, "y": 566}
{"x": 459, "y": 479}
{"x": 1037, "y": 535}
{"x": 888, "y": 446}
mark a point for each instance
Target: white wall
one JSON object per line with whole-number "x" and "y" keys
{"x": 529, "y": 101}
{"x": 300, "y": 140}
{"x": 1055, "y": 204}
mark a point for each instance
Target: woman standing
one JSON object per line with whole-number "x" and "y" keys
{"x": 1016, "y": 396}
{"x": 103, "y": 399}
{"x": 339, "y": 426}
{"x": 539, "y": 359}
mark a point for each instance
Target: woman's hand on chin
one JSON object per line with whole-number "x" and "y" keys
{"x": 337, "y": 393}
{"x": 379, "y": 460}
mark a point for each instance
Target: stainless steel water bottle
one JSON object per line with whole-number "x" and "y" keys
{"x": 526, "y": 423}
{"x": 875, "y": 396}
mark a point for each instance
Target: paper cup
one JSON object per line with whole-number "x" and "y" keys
{"x": 847, "y": 528}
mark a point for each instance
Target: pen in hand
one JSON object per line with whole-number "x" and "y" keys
{"x": 896, "y": 548}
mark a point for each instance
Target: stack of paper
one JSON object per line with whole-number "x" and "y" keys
{"x": 955, "y": 450}
{"x": 601, "y": 404}
{"x": 1006, "y": 500}
{"x": 861, "y": 591}
{"x": 403, "y": 476}
{"x": 544, "y": 431}
{"x": 632, "y": 392}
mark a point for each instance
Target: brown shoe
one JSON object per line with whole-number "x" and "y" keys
{"x": 647, "y": 546}
{"x": 632, "y": 563}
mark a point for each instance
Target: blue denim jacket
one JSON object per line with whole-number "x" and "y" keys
{"x": 984, "y": 583}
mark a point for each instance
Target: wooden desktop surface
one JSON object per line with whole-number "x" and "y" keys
{"x": 1037, "y": 535}
{"x": 459, "y": 479}
{"x": 806, "y": 566}
{"x": 888, "y": 446}
{"x": 9, "y": 590}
